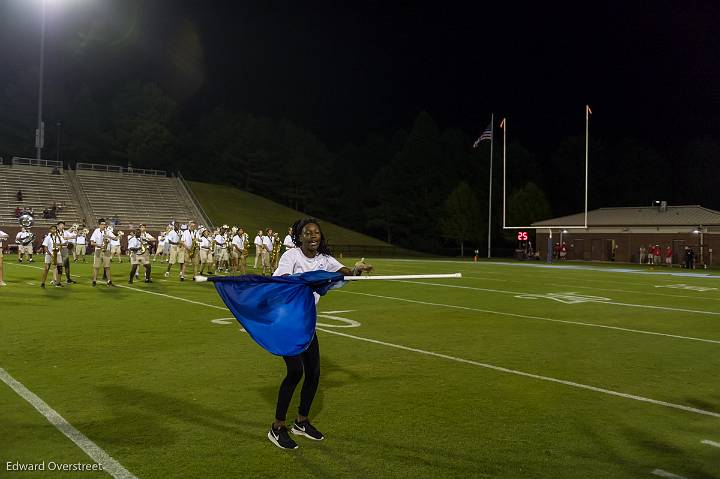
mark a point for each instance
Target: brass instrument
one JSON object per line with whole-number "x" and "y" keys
{"x": 26, "y": 220}
{"x": 194, "y": 246}
{"x": 56, "y": 243}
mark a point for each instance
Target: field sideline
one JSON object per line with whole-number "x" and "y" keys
{"x": 512, "y": 371}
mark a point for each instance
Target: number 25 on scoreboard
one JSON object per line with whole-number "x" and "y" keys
{"x": 522, "y": 236}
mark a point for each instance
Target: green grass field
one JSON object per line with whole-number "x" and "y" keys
{"x": 225, "y": 204}
{"x": 484, "y": 376}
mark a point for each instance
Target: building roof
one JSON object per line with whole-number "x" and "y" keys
{"x": 693, "y": 215}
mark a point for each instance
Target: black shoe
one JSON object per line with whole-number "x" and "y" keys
{"x": 58, "y": 284}
{"x": 304, "y": 428}
{"x": 281, "y": 438}
{"x": 182, "y": 278}
{"x": 42, "y": 285}
{"x": 94, "y": 283}
{"x": 70, "y": 281}
{"x": 130, "y": 281}
{"x": 110, "y": 284}
{"x": 148, "y": 281}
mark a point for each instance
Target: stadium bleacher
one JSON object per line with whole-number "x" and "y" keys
{"x": 92, "y": 191}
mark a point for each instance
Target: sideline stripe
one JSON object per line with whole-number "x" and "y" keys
{"x": 711, "y": 443}
{"x": 529, "y": 375}
{"x": 525, "y": 316}
{"x": 520, "y": 293}
{"x": 110, "y": 465}
{"x": 485, "y": 365}
{"x": 669, "y": 475}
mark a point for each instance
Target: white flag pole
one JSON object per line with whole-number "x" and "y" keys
{"x": 202, "y": 279}
{"x": 403, "y": 276}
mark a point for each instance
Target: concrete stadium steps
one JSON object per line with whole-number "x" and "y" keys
{"x": 134, "y": 199}
{"x": 40, "y": 189}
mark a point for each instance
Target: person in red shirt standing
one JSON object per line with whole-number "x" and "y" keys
{"x": 669, "y": 256}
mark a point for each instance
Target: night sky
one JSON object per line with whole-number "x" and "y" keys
{"x": 650, "y": 70}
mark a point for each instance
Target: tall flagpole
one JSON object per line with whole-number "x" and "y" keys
{"x": 587, "y": 129}
{"x": 492, "y": 138}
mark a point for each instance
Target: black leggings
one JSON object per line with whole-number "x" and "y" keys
{"x": 309, "y": 360}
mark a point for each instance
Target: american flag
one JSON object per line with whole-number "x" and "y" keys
{"x": 485, "y": 135}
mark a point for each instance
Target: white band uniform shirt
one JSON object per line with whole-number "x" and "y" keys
{"x": 53, "y": 246}
{"x": 222, "y": 253}
{"x": 288, "y": 243}
{"x": 101, "y": 257}
{"x": 177, "y": 253}
{"x": 238, "y": 244}
{"x": 134, "y": 245}
{"x": 205, "y": 253}
{"x": 294, "y": 261}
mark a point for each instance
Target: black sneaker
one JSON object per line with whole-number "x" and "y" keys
{"x": 42, "y": 285}
{"x": 110, "y": 284}
{"x": 304, "y": 428}
{"x": 281, "y": 438}
{"x": 148, "y": 281}
{"x": 71, "y": 281}
{"x": 130, "y": 281}
{"x": 94, "y": 283}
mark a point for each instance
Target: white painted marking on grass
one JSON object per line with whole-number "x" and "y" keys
{"x": 530, "y": 375}
{"x": 223, "y": 320}
{"x": 224, "y": 308}
{"x": 347, "y": 323}
{"x": 490, "y": 366}
{"x": 687, "y": 287}
{"x": 541, "y": 318}
{"x": 669, "y": 475}
{"x": 110, "y": 465}
{"x": 565, "y": 298}
{"x": 604, "y": 300}
{"x": 711, "y": 443}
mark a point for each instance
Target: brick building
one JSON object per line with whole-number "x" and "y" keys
{"x": 624, "y": 230}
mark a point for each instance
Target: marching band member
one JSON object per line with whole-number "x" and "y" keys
{"x": 206, "y": 254}
{"x": 3, "y": 237}
{"x": 288, "y": 242}
{"x": 222, "y": 251}
{"x": 160, "y": 249}
{"x": 258, "y": 247}
{"x": 236, "y": 246}
{"x": 24, "y": 249}
{"x": 194, "y": 248}
{"x": 139, "y": 248}
{"x": 80, "y": 246}
{"x": 53, "y": 256}
{"x": 186, "y": 243}
{"x": 267, "y": 243}
{"x": 100, "y": 240}
{"x": 243, "y": 250}
{"x": 177, "y": 254}
{"x": 115, "y": 246}
{"x": 67, "y": 246}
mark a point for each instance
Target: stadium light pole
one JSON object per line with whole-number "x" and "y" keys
{"x": 40, "y": 131}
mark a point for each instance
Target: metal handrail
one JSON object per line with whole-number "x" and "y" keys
{"x": 119, "y": 169}
{"x": 195, "y": 200}
{"x": 18, "y": 161}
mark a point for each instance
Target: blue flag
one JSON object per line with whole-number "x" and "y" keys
{"x": 278, "y": 312}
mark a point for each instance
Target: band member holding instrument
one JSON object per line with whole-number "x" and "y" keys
{"x": 177, "y": 254}
{"x": 100, "y": 240}
{"x": 115, "y": 246}
{"x": 139, "y": 248}
{"x": 236, "y": 245}
{"x": 258, "y": 247}
{"x": 160, "y": 249}
{"x": 25, "y": 246}
{"x": 3, "y": 237}
{"x": 243, "y": 250}
{"x": 53, "y": 257}
{"x": 194, "y": 248}
{"x": 67, "y": 247}
{"x": 222, "y": 251}
{"x": 206, "y": 254}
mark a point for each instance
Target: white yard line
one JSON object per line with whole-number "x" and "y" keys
{"x": 711, "y": 443}
{"x": 668, "y": 475}
{"x": 95, "y": 452}
{"x": 529, "y": 375}
{"x": 488, "y": 366}
{"x": 541, "y": 318}
{"x": 520, "y": 293}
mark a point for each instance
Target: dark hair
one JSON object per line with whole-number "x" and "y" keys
{"x": 297, "y": 228}
{"x": 59, "y": 223}
{"x": 102, "y": 220}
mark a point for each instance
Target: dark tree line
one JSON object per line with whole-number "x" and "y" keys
{"x": 423, "y": 188}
